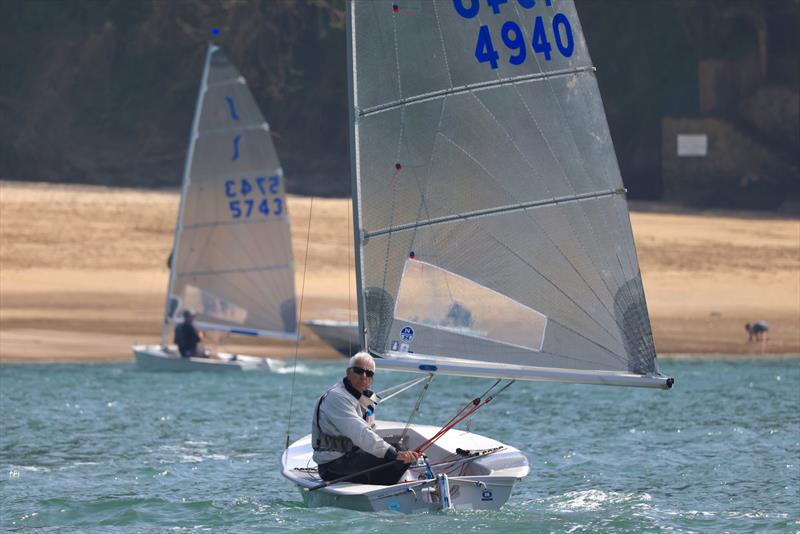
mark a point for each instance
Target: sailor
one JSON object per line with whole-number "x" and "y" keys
{"x": 188, "y": 339}
{"x": 343, "y": 435}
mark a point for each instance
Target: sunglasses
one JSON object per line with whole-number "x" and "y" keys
{"x": 362, "y": 371}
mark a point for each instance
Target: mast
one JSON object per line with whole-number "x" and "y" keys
{"x": 187, "y": 168}
{"x": 354, "y": 172}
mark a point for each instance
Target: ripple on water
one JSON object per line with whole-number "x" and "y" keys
{"x": 106, "y": 448}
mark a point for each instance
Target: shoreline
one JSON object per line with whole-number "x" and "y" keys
{"x": 668, "y": 357}
{"x": 84, "y": 280}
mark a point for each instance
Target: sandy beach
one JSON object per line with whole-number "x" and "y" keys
{"x": 83, "y": 274}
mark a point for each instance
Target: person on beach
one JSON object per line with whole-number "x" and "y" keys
{"x": 188, "y": 339}
{"x": 342, "y": 433}
{"x": 756, "y": 331}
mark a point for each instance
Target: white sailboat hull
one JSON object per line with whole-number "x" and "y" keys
{"x": 483, "y": 483}
{"x": 341, "y": 335}
{"x": 158, "y": 358}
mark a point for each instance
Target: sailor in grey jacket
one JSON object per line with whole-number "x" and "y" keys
{"x": 342, "y": 434}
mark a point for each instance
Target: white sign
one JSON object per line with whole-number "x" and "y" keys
{"x": 692, "y": 145}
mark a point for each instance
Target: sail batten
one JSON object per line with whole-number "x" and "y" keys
{"x": 470, "y": 88}
{"x": 495, "y": 211}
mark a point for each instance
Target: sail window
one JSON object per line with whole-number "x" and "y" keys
{"x": 209, "y": 305}
{"x": 437, "y": 298}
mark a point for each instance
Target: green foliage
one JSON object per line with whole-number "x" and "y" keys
{"x": 120, "y": 76}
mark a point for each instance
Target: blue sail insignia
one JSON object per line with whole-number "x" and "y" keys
{"x": 232, "y": 108}
{"x": 236, "y": 148}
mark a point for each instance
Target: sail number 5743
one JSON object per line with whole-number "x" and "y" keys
{"x": 249, "y": 197}
{"x": 559, "y": 32}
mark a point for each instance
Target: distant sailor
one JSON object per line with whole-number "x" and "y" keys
{"x": 188, "y": 339}
{"x": 342, "y": 432}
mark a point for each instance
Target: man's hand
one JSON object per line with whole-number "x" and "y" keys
{"x": 409, "y": 457}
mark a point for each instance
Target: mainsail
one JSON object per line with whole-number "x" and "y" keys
{"x": 232, "y": 258}
{"x": 491, "y": 222}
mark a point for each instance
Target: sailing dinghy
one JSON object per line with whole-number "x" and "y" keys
{"x": 341, "y": 335}
{"x": 232, "y": 257}
{"x": 491, "y": 227}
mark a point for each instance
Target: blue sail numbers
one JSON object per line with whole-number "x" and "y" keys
{"x": 259, "y": 196}
{"x": 515, "y": 42}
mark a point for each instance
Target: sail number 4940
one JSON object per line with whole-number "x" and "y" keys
{"x": 248, "y": 197}
{"x": 514, "y": 38}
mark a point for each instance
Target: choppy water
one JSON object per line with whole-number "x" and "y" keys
{"x": 109, "y": 448}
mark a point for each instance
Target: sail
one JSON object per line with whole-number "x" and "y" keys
{"x": 232, "y": 260}
{"x": 491, "y": 220}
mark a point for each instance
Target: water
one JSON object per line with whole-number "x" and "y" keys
{"x": 107, "y": 448}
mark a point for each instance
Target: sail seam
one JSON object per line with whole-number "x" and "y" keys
{"x": 496, "y": 211}
{"x": 467, "y": 88}
{"x": 229, "y": 223}
{"x": 242, "y": 270}
{"x": 261, "y": 126}
{"x": 240, "y": 80}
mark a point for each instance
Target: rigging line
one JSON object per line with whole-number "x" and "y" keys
{"x": 383, "y": 396}
{"x": 253, "y": 301}
{"x": 385, "y": 260}
{"x": 580, "y": 211}
{"x": 455, "y": 459}
{"x": 465, "y": 347}
{"x": 578, "y": 306}
{"x": 249, "y": 251}
{"x": 416, "y": 407}
{"x": 474, "y": 409}
{"x": 283, "y": 285}
{"x": 548, "y": 80}
{"x": 472, "y": 402}
{"x": 424, "y": 206}
{"x": 507, "y": 208}
{"x": 588, "y": 68}
{"x": 516, "y": 89}
{"x": 258, "y": 248}
{"x": 444, "y": 48}
{"x": 565, "y": 216}
{"x": 394, "y": 181}
{"x": 299, "y": 319}
{"x": 569, "y": 129}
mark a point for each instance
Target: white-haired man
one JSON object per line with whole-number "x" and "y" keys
{"x": 342, "y": 432}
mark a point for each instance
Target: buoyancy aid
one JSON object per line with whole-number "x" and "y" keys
{"x": 327, "y": 446}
